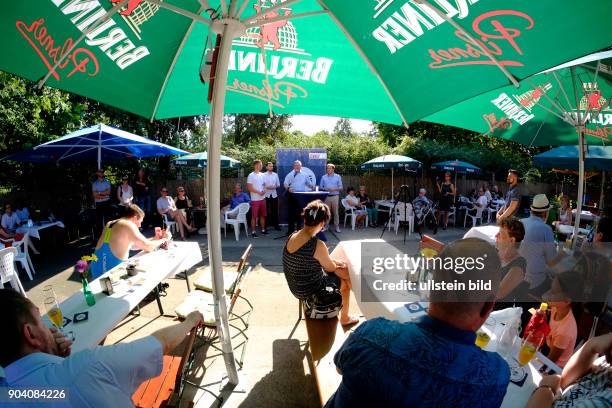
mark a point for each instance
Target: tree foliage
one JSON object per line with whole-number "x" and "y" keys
{"x": 243, "y": 128}
{"x": 343, "y": 128}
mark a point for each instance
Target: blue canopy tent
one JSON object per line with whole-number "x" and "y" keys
{"x": 456, "y": 166}
{"x": 392, "y": 161}
{"x": 567, "y": 157}
{"x": 201, "y": 160}
{"x": 96, "y": 143}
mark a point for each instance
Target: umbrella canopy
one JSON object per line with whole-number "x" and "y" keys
{"x": 201, "y": 160}
{"x": 99, "y": 142}
{"x": 386, "y": 61}
{"x": 392, "y": 161}
{"x": 456, "y": 166}
{"x": 383, "y": 60}
{"x": 541, "y": 111}
{"x": 595, "y": 158}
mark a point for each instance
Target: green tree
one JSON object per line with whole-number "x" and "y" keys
{"x": 343, "y": 128}
{"x": 244, "y": 128}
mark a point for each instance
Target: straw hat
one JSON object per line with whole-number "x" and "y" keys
{"x": 540, "y": 203}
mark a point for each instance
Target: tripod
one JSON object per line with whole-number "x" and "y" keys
{"x": 402, "y": 195}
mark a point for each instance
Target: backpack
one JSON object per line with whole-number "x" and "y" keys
{"x": 325, "y": 304}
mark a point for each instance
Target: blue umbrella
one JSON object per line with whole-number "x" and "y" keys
{"x": 566, "y": 157}
{"x": 456, "y": 166}
{"x": 201, "y": 160}
{"x": 96, "y": 142}
{"x": 392, "y": 161}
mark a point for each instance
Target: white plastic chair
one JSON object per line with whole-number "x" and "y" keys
{"x": 171, "y": 224}
{"x": 475, "y": 217}
{"x": 492, "y": 209}
{"x": 403, "y": 213}
{"x": 350, "y": 212}
{"x": 7, "y": 269}
{"x": 240, "y": 212}
{"x": 23, "y": 256}
{"x": 452, "y": 213}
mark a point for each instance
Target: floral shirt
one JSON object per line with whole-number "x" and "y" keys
{"x": 427, "y": 363}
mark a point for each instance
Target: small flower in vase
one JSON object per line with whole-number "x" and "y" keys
{"x": 82, "y": 267}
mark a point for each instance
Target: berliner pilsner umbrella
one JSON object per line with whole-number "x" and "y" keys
{"x": 384, "y": 60}
{"x": 456, "y": 166}
{"x": 392, "y": 161}
{"x": 566, "y": 105}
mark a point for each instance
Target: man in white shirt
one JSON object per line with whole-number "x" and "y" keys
{"x": 10, "y": 220}
{"x": 332, "y": 183}
{"x": 295, "y": 181}
{"x": 255, "y": 185}
{"x": 271, "y": 183}
{"x": 36, "y": 357}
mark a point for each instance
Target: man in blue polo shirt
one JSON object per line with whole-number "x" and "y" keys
{"x": 35, "y": 357}
{"x": 434, "y": 361}
{"x": 332, "y": 183}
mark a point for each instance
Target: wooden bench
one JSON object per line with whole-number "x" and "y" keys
{"x": 325, "y": 337}
{"x": 157, "y": 392}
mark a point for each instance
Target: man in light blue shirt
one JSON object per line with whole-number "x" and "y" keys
{"x": 332, "y": 183}
{"x": 296, "y": 181}
{"x": 35, "y": 357}
{"x": 538, "y": 247}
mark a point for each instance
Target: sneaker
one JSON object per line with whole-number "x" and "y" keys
{"x": 264, "y": 232}
{"x": 337, "y": 229}
{"x": 254, "y": 235}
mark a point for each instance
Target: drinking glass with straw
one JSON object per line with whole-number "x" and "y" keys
{"x": 528, "y": 349}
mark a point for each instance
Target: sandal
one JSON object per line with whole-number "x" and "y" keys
{"x": 352, "y": 319}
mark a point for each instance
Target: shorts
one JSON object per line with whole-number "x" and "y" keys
{"x": 258, "y": 208}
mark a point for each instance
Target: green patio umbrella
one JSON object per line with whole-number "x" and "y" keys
{"x": 380, "y": 60}
{"x": 567, "y": 105}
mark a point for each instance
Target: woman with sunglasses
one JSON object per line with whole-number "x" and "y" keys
{"x": 183, "y": 203}
{"x": 167, "y": 206}
{"x": 447, "y": 196}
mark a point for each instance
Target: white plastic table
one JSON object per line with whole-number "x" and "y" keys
{"x": 108, "y": 311}
{"x": 486, "y": 232}
{"x": 412, "y": 308}
{"x": 34, "y": 231}
{"x": 585, "y": 216}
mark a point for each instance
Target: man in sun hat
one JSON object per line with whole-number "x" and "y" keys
{"x": 538, "y": 246}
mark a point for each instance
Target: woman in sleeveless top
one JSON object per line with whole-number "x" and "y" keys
{"x": 309, "y": 270}
{"x": 513, "y": 287}
{"x": 447, "y": 191}
{"x": 565, "y": 211}
{"x": 125, "y": 194}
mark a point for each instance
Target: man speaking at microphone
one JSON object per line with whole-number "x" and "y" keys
{"x": 295, "y": 182}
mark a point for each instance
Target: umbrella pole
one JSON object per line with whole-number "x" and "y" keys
{"x": 601, "y": 195}
{"x": 213, "y": 185}
{"x": 580, "y": 187}
{"x": 392, "y": 196}
{"x": 100, "y": 148}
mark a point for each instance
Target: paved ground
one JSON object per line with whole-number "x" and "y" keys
{"x": 276, "y": 369}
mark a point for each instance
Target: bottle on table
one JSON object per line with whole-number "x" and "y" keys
{"x": 538, "y": 324}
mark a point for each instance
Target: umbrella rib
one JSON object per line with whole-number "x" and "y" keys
{"x": 172, "y": 65}
{"x": 474, "y": 41}
{"x": 562, "y": 89}
{"x": 181, "y": 11}
{"x": 548, "y": 98}
{"x": 261, "y": 14}
{"x": 367, "y": 61}
{"x": 284, "y": 18}
{"x": 66, "y": 155}
{"x": 89, "y": 29}
{"x": 241, "y": 9}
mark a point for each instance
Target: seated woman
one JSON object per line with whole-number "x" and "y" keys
{"x": 368, "y": 204}
{"x": 513, "y": 287}
{"x": 118, "y": 237}
{"x": 352, "y": 201}
{"x": 584, "y": 382}
{"x": 183, "y": 203}
{"x": 166, "y": 205}
{"x": 311, "y": 274}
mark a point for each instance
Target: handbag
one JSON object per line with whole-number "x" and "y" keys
{"x": 325, "y": 304}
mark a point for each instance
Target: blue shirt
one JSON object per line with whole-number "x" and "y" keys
{"x": 297, "y": 181}
{"x": 333, "y": 181}
{"x": 538, "y": 248}
{"x": 239, "y": 199}
{"x": 513, "y": 194}
{"x": 100, "y": 187}
{"x": 105, "y": 376}
{"x": 427, "y": 363}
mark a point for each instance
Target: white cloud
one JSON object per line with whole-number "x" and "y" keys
{"x": 312, "y": 124}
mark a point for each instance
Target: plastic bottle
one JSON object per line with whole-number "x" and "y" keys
{"x": 538, "y": 324}
{"x": 508, "y": 336}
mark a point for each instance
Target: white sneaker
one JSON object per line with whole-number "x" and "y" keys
{"x": 337, "y": 228}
